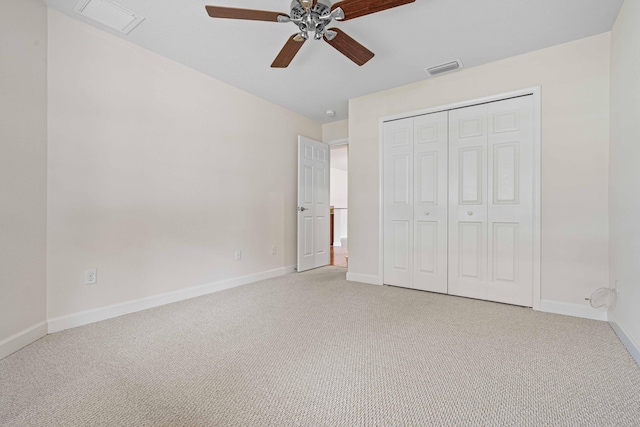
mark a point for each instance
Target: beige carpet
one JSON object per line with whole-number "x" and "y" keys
{"x": 312, "y": 349}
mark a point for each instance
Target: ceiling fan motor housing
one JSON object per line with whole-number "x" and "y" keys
{"x": 309, "y": 20}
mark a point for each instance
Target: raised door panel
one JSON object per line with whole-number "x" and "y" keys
{"x": 398, "y": 192}
{"x": 510, "y": 209}
{"x": 470, "y": 254}
{"x": 428, "y": 129}
{"x": 322, "y": 155}
{"x": 472, "y": 126}
{"x": 400, "y": 134}
{"x": 307, "y": 185}
{"x": 506, "y": 173}
{"x": 400, "y": 245}
{"x": 471, "y": 175}
{"x": 321, "y": 238}
{"x": 427, "y": 247}
{"x": 308, "y": 240}
{"x": 506, "y": 121}
{"x": 322, "y": 186}
{"x": 401, "y": 179}
{"x": 505, "y": 248}
{"x": 307, "y": 152}
{"x": 427, "y": 168}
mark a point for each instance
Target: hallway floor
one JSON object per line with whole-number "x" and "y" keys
{"x": 339, "y": 256}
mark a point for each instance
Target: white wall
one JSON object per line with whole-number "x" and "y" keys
{"x": 339, "y": 187}
{"x": 335, "y": 131}
{"x": 338, "y": 192}
{"x": 624, "y": 184}
{"x": 23, "y": 161}
{"x": 341, "y": 230}
{"x": 575, "y": 119}
{"x": 157, "y": 173}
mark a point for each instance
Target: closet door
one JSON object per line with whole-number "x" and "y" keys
{"x": 491, "y": 201}
{"x": 398, "y": 203}
{"x": 468, "y": 202}
{"x": 510, "y": 148}
{"x": 430, "y": 137}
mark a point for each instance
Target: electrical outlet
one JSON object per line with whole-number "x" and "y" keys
{"x": 274, "y": 249}
{"x": 91, "y": 276}
{"x": 617, "y": 285}
{"x": 238, "y": 254}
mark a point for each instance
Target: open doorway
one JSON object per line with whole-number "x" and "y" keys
{"x": 338, "y": 196}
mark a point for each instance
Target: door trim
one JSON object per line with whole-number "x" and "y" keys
{"x": 536, "y": 92}
{"x": 338, "y": 142}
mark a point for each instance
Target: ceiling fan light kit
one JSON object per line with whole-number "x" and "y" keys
{"x": 312, "y": 17}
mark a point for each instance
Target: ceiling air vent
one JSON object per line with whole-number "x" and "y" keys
{"x": 444, "y": 68}
{"x": 110, "y": 14}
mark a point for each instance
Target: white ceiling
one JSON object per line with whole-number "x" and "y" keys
{"x": 405, "y": 40}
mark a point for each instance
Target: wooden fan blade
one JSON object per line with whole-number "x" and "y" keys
{"x": 251, "y": 14}
{"x": 356, "y": 8}
{"x": 288, "y": 52}
{"x": 350, "y": 48}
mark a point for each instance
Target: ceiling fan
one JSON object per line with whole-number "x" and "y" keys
{"x": 312, "y": 17}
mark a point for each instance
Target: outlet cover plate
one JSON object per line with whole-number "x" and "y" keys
{"x": 90, "y": 276}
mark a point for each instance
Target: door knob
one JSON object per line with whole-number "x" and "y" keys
{"x": 470, "y": 213}
{"x": 426, "y": 213}
{"x": 302, "y": 209}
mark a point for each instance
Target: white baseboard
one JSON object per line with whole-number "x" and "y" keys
{"x": 22, "y": 339}
{"x": 363, "y": 278}
{"x": 632, "y": 346}
{"x": 575, "y": 310}
{"x": 290, "y": 269}
{"x": 90, "y": 316}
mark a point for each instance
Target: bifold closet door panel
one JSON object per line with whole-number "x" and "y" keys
{"x": 430, "y": 135}
{"x": 468, "y": 231}
{"x": 398, "y": 191}
{"x": 510, "y": 181}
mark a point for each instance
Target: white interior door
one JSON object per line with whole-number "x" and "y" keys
{"x": 415, "y": 202}
{"x": 491, "y": 201}
{"x": 313, "y": 204}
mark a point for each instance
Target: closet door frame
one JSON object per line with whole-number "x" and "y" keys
{"x": 536, "y": 92}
